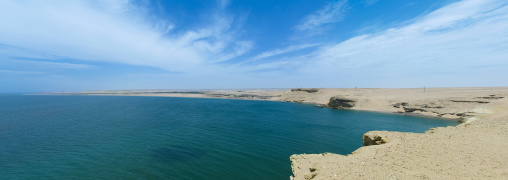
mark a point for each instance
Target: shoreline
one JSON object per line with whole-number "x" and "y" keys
{"x": 471, "y": 149}
{"x": 316, "y": 105}
{"x": 434, "y": 102}
{"x": 409, "y": 114}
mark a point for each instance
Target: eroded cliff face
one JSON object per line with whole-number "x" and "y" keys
{"x": 462, "y": 108}
{"x": 340, "y": 102}
{"x": 320, "y": 166}
{"x": 308, "y": 90}
{"x": 476, "y": 149}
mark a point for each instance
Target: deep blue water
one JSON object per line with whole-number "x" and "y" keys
{"x": 104, "y": 137}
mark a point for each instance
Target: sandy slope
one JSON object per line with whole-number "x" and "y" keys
{"x": 477, "y": 149}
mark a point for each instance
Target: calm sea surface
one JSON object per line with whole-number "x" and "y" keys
{"x": 102, "y": 137}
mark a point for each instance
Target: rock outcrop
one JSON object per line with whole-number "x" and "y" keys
{"x": 309, "y": 90}
{"x": 373, "y": 139}
{"x": 339, "y": 102}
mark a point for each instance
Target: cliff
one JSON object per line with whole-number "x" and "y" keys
{"x": 476, "y": 149}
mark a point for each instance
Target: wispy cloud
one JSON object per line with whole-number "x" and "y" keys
{"x": 468, "y": 35}
{"x": 63, "y": 41}
{"x": 332, "y": 12}
{"x": 240, "y": 48}
{"x": 47, "y": 65}
{"x": 283, "y": 51}
{"x": 223, "y": 3}
{"x": 370, "y": 2}
{"x": 14, "y": 72}
{"x": 36, "y": 66}
{"x": 114, "y": 31}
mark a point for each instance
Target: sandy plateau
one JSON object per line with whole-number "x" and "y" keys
{"x": 475, "y": 149}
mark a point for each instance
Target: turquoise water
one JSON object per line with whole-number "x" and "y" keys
{"x": 102, "y": 137}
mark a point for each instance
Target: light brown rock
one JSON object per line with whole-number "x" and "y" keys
{"x": 474, "y": 150}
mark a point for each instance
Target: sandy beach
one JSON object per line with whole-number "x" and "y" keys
{"x": 475, "y": 149}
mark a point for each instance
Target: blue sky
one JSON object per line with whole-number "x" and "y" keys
{"x": 196, "y": 44}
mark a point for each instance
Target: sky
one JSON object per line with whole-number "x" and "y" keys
{"x": 61, "y": 45}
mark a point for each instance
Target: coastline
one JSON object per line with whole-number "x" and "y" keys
{"x": 477, "y": 148}
{"x": 465, "y": 104}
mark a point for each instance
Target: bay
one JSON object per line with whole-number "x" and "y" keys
{"x": 115, "y": 137}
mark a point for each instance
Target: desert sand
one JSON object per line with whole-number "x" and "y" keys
{"x": 475, "y": 149}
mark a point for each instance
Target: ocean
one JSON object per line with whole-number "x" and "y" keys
{"x": 115, "y": 137}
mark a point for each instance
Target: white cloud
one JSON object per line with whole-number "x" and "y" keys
{"x": 113, "y": 31}
{"x": 240, "y": 48}
{"x": 13, "y": 72}
{"x": 283, "y": 51}
{"x": 223, "y": 3}
{"x": 370, "y": 2}
{"x": 41, "y": 65}
{"x": 464, "y": 39}
{"x": 332, "y": 12}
